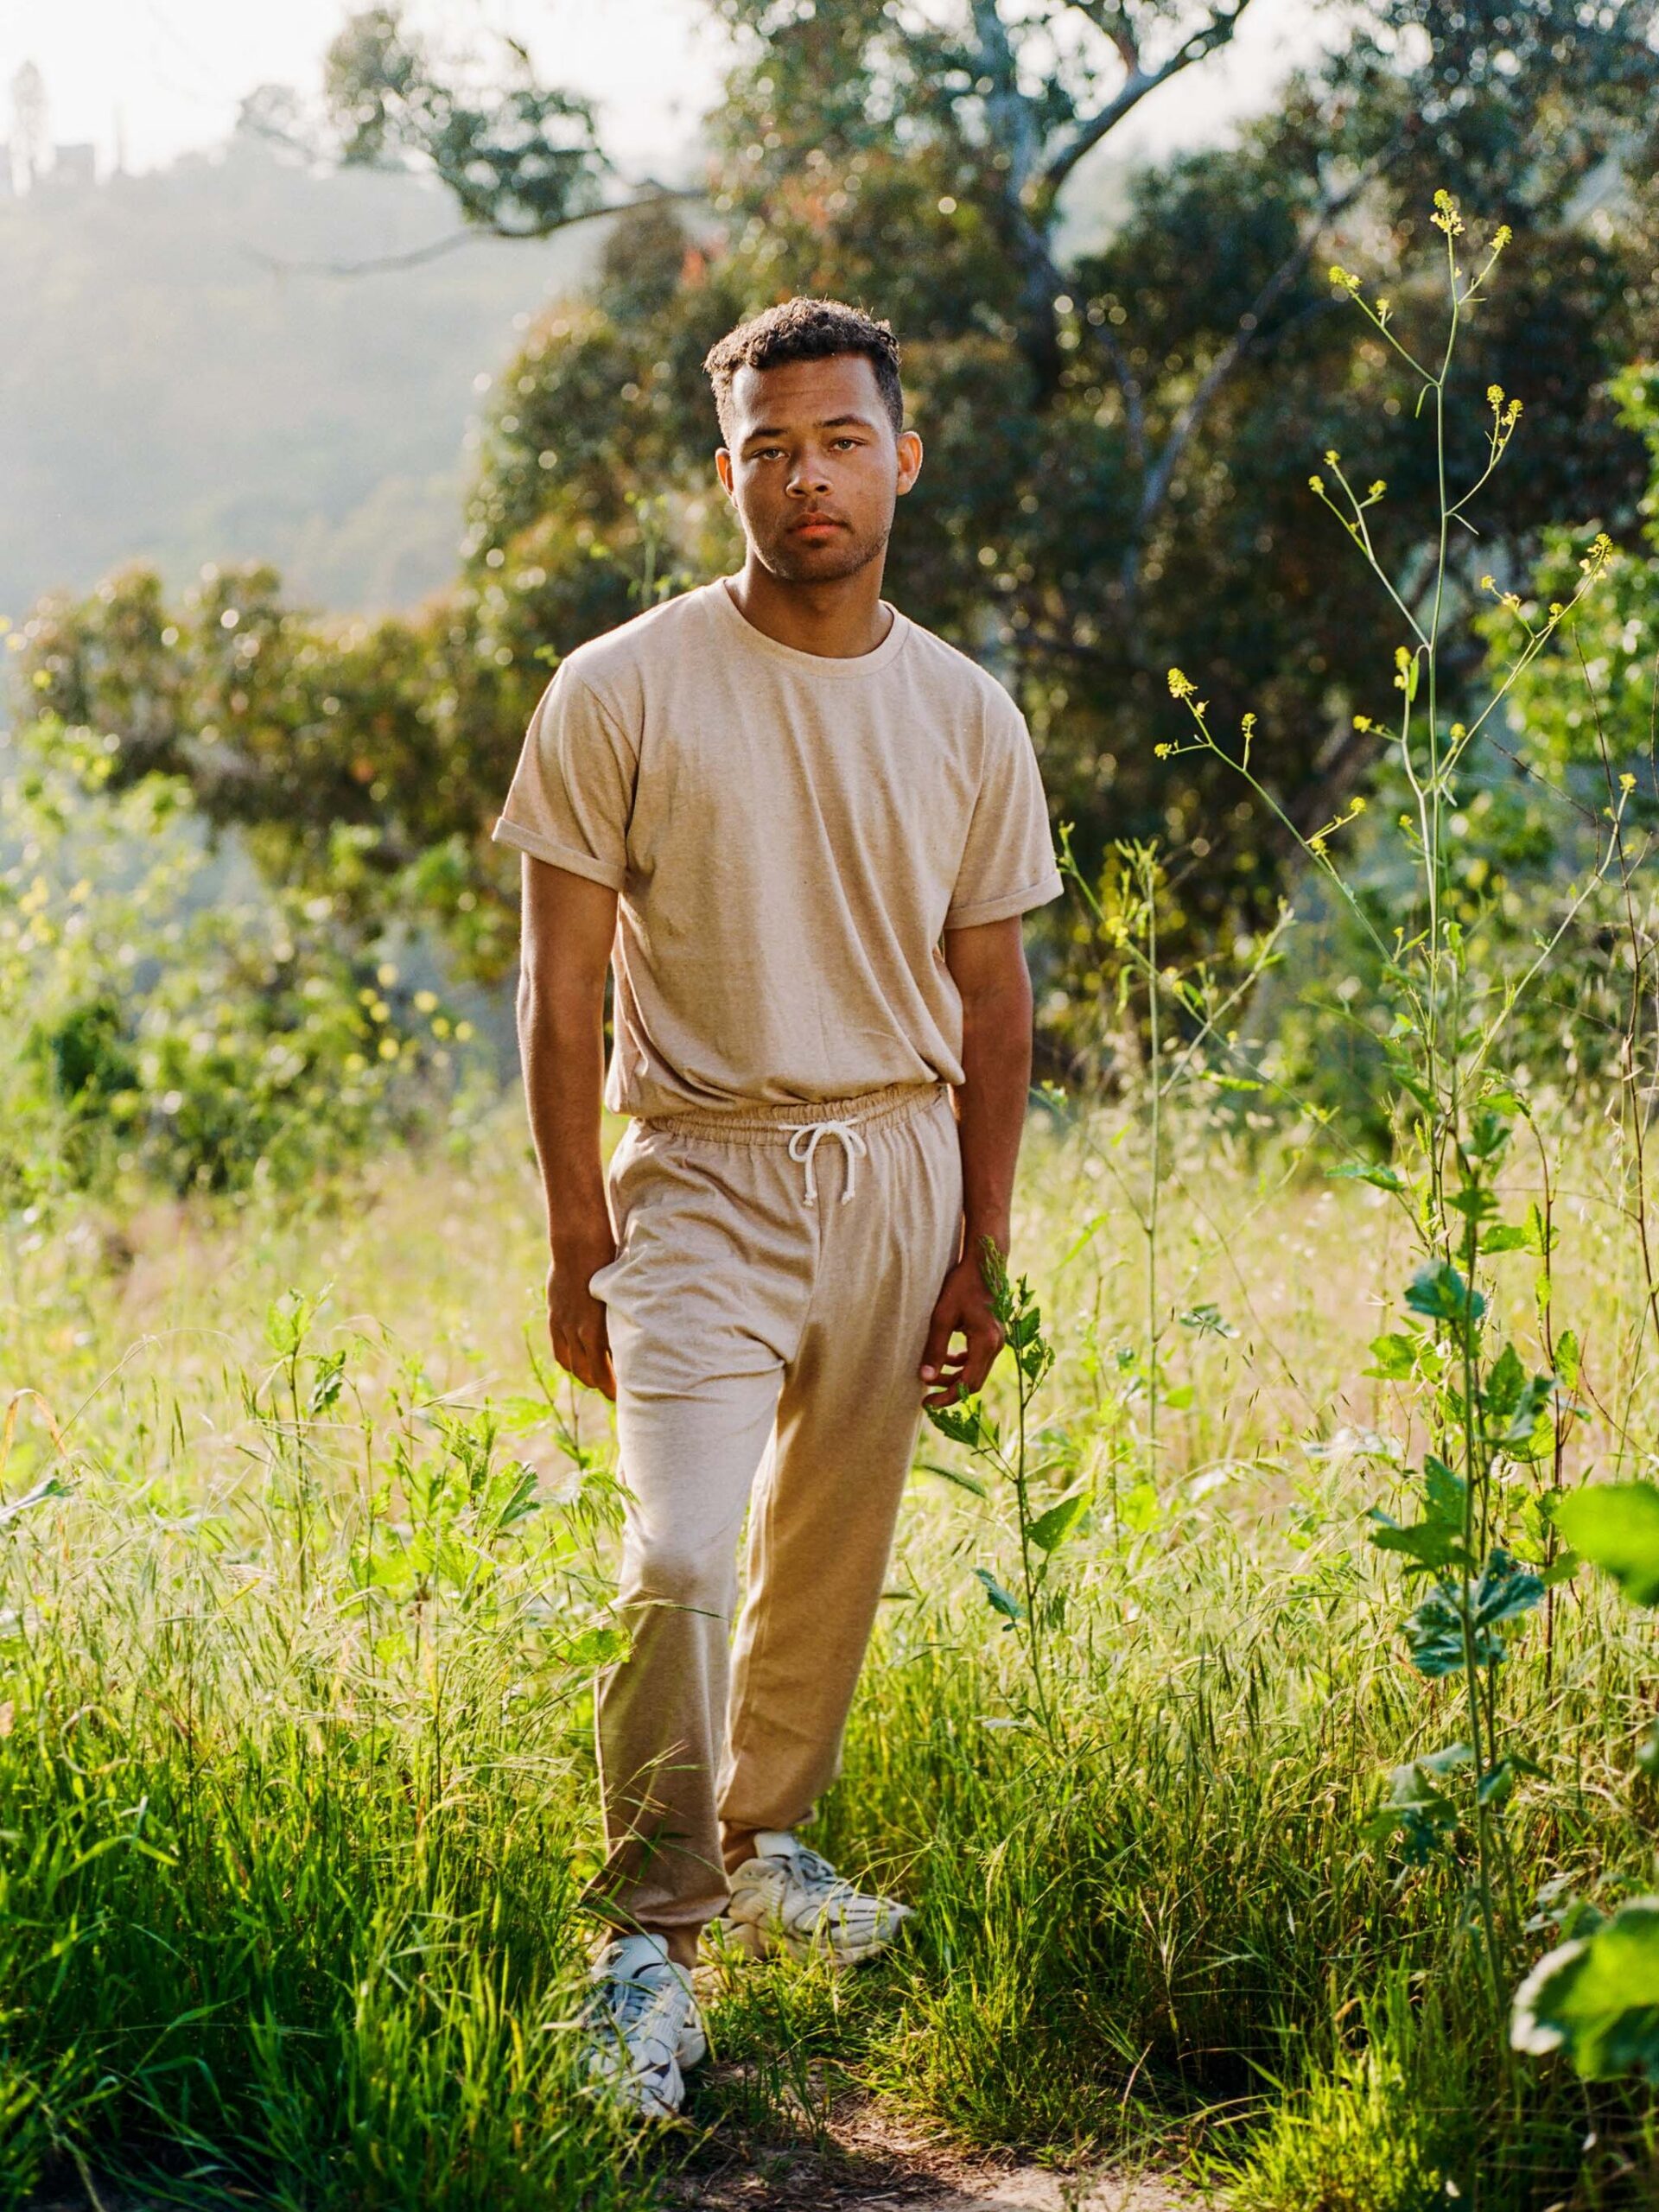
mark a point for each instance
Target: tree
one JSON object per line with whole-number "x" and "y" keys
{"x": 1118, "y": 439}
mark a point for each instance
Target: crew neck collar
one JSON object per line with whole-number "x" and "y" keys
{"x": 835, "y": 666}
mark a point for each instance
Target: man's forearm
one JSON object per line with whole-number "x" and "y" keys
{"x": 562, "y": 1045}
{"x": 991, "y": 1113}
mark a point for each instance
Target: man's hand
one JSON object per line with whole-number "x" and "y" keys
{"x": 962, "y": 1308}
{"x": 575, "y": 1319}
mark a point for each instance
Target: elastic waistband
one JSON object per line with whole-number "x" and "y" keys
{"x": 758, "y": 1124}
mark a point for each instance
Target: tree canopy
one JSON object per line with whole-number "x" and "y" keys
{"x": 1119, "y": 437}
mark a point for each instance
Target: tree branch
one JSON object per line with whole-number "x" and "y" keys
{"x": 1214, "y": 35}
{"x": 663, "y": 196}
{"x": 1156, "y": 488}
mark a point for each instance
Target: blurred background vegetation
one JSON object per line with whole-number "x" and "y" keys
{"x": 1122, "y": 372}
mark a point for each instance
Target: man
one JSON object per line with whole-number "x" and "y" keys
{"x": 801, "y": 830}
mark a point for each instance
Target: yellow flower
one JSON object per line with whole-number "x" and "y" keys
{"x": 1627, "y": 782}
{"x": 1180, "y": 687}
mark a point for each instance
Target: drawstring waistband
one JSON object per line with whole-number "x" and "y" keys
{"x": 853, "y": 1146}
{"x": 846, "y": 1120}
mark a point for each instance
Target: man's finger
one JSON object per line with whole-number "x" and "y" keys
{"x": 945, "y": 1325}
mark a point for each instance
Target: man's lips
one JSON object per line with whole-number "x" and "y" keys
{"x": 815, "y": 525}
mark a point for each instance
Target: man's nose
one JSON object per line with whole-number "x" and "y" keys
{"x": 808, "y": 475}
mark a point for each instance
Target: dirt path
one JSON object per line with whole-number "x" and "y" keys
{"x": 867, "y": 2163}
{"x": 861, "y": 2161}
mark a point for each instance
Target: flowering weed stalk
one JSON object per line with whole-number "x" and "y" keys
{"x": 1475, "y": 1549}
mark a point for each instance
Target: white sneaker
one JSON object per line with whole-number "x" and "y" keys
{"x": 644, "y": 2029}
{"x": 786, "y": 1897}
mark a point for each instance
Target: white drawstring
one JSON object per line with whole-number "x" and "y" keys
{"x": 853, "y": 1146}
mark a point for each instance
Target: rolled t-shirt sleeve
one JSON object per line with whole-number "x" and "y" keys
{"x": 572, "y": 792}
{"x": 1008, "y": 863}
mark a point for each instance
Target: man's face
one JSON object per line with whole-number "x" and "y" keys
{"x": 813, "y": 467}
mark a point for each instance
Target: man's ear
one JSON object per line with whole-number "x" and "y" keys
{"x": 910, "y": 459}
{"x": 723, "y": 470}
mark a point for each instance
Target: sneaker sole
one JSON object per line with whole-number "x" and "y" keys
{"x": 760, "y": 1940}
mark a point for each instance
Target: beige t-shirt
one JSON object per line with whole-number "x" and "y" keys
{"x": 792, "y": 835}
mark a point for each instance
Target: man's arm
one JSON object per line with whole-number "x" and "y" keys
{"x": 569, "y": 923}
{"x": 989, "y": 965}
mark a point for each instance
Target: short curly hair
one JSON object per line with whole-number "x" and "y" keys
{"x": 806, "y": 330}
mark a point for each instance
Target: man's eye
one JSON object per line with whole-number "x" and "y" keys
{"x": 847, "y": 444}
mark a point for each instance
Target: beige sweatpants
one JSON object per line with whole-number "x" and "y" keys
{"x": 767, "y": 1307}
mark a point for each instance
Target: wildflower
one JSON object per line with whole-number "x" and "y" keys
{"x": 1445, "y": 216}
{"x": 1180, "y": 687}
{"x": 1500, "y": 238}
{"x": 1248, "y": 724}
{"x": 1316, "y": 844}
{"x": 1457, "y": 731}
{"x": 1344, "y": 279}
{"x": 1358, "y": 806}
{"x": 1316, "y": 484}
{"x": 1486, "y": 584}
{"x": 1495, "y": 396}
{"x": 1162, "y": 752}
{"x": 1627, "y": 782}
{"x": 1377, "y": 489}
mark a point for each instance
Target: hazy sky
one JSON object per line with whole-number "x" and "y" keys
{"x": 174, "y": 70}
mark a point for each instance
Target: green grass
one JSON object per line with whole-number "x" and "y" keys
{"x": 295, "y": 1775}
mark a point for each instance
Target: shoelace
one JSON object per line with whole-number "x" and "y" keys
{"x": 628, "y": 1998}
{"x": 818, "y": 1877}
{"x": 853, "y": 1146}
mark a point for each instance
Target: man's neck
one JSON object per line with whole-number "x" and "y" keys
{"x": 839, "y": 620}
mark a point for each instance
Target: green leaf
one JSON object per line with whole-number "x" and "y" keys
{"x": 1010, "y": 1608}
{"x": 1567, "y": 1360}
{"x": 1050, "y": 1530}
{"x": 1596, "y": 1999}
{"x": 955, "y": 1475}
{"x": 600, "y": 1646}
{"x": 1505, "y": 1591}
{"x": 1504, "y": 1383}
{"x": 1504, "y": 1236}
{"x": 1433, "y": 1544}
{"x": 1489, "y": 1135}
{"x": 1179, "y": 1398}
{"x": 1616, "y": 1527}
{"x": 1417, "y": 1808}
{"x": 1208, "y": 1321}
{"x": 1446, "y": 1493}
{"x": 1441, "y": 1293}
{"x": 1360, "y": 1171}
{"x": 1498, "y": 1785}
{"x": 1474, "y": 1202}
{"x": 968, "y": 1424}
{"x": 1395, "y": 1357}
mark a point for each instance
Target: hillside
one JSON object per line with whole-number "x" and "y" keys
{"x": 170, "y": 397}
